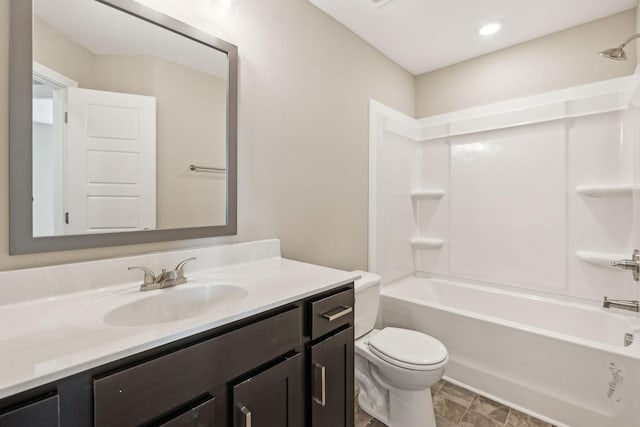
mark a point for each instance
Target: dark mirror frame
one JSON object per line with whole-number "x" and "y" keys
{"x": 21, "y": 240}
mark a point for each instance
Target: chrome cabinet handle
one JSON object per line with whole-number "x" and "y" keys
{"x": 247, "y": 416}
{"x": 345, "y": 310}
{"x": 322, "y": 400}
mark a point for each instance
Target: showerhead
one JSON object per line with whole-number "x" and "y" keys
{"x": 615, "y": 53}
{"x": 618, "y": 53}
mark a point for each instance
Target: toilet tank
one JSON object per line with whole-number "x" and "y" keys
{"x": 367, "y": 295}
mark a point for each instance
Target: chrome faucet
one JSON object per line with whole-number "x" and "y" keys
{"x": 623, "y": 304}
{"x": 166, "y": 279}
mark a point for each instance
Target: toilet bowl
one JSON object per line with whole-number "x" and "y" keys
{"x": 394, "y": 367}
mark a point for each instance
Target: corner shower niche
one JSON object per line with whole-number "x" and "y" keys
{"x": 538, "y": 193}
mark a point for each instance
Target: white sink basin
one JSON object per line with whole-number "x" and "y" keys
{"x": 173, "y": 304}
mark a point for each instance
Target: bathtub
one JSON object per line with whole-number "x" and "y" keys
{"x": 561, "y": 361}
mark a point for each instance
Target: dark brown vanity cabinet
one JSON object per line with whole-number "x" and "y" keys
{"x": 332, "y": 385}
{"x": 200, "y": 415}
{"x": 331, "y": 361}
{"x": 166, "y": 387}
{"x": 273, "y": 397}
{"x": 289, "y": 367}
{"x": 43, "y": 412}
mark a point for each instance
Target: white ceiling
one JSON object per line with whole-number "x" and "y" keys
{"x": 424, "y": 35}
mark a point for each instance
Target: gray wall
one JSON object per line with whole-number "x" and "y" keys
{"x": 305, "y": 81}
{"x": 564, "y": 59}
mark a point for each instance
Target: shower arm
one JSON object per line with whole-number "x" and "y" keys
{"x": 633, "y": 37}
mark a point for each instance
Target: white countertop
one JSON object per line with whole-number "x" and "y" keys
{"x": 46, "y": 339}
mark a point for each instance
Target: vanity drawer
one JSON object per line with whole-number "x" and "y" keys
{"x": 41, "y": 413}
{"x": 332, "y": 312}
{"x": 155, "y": 388}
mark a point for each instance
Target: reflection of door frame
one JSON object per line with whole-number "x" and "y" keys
{"x": 60, "y": 83}
{"x": 46, "y": 75}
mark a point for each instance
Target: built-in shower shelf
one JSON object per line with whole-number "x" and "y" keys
{"x": 427, "y": 243}
{"x": 427, "y": 194}
{"x": 602, "y": 259}
{"x": 611, "y": 190}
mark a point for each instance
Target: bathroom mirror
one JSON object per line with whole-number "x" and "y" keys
{"x": 123, "y": 127}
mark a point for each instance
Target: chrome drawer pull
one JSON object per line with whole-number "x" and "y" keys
{"x": 247, "y": 416}
{"x": 345, "y": 310}
{"x": 323, "y": 384}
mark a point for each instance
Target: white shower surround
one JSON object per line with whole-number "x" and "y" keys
{"x": 514, "y": 291}
{"x": 511, "y": 206}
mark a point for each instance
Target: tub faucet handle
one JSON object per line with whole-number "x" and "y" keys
{"x": 632, "y": 264}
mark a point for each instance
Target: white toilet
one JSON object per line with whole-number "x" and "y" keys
{"x": 394, "y": 367}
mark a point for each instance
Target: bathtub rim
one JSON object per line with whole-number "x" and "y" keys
{"x": 632, "y": 351}
{"x": 578, "y": 302}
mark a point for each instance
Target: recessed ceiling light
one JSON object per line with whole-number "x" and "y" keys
{"x": 222, "y": 4}
{"x": 490, "y": 28}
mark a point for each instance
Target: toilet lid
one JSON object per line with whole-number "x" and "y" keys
{"x": 408, "y": 349}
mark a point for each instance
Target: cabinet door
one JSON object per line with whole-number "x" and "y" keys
{"x": 272, "y": 398}
{"x": 332, "y": 381}
{"x": 156, "y": 388}
{"x": 202, "y": 415}
{"x": 43, "y": 413}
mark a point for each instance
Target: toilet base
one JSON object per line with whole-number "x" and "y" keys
{"x": 406, "y": 409}
{"x": 367, "y": 406}
{"x": 411, "y": 409}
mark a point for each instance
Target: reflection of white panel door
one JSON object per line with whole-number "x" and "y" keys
{"x": 110, "y": 162}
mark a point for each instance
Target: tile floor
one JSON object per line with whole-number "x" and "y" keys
{"x": 458, "y": 407}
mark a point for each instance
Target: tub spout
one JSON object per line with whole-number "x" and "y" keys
{"x": 624, "y": 304}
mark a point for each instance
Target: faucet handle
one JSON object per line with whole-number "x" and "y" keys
{"x": 632, "y": 264}
{"x": 181, "y": 264}
{"x": 149, "y": 276}
{"x": 180, "y": 271}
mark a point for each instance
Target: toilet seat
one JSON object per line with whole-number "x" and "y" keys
{"x": 408, "y": 349}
